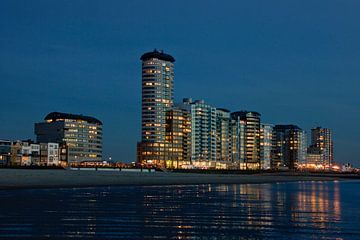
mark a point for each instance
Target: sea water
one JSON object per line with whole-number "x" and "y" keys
{"x": 297, "y": 210}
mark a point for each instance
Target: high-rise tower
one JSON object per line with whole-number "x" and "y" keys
{"x": 246, "y": 126}
{"x": 289, "y": 147}
{"x": 266, "y": 145}
{"x": 321, "y": 138}
{"x": 223, "y": 135}
{"x": 203, "y": 131}
{"x": 157, "y": 99}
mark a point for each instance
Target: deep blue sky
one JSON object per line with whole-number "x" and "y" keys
{"x": 294, "y": 62}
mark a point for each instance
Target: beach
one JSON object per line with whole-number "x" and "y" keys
{"x": 34, "y": 178}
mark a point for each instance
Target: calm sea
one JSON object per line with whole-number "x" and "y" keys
{"x": 302, "y": 210}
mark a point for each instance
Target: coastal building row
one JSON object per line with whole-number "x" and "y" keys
{"x": 190, "y": 134}
{"x": 30, "y": 153}
{"x": 62, "y": 139}
{"x": 194, "y": 134}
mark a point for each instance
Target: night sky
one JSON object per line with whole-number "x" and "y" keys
{"x": 295, "y": 62}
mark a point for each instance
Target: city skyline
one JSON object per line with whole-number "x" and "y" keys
{"x": 105, "y": 85}
{"x": 191, "y": 134}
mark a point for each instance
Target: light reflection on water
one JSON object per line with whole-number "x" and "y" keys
{"x": 303, "y": 210}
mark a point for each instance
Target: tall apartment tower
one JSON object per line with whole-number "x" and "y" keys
{"x": 266, "y": 145}
{"x": 289, "y": 147}
{"x": 157, "y": 98}
{"x": 223, "y": 135}
{"x": 248, "y": 137}
{"x": 81, "y": 134}
{"x": 203, "y": 136}
{"x": 178, "y": 137}
{"x": 237, "y": 128}
{"x": 322, "y": 138}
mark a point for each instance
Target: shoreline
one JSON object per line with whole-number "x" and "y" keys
{"x": 37, "y": 179}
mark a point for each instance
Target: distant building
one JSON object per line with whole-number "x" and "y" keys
{"x": 157, "y": 98}
{"x": 266, "y": 145}
{"x": 203, "y": 136}
{"x": 246, "y": 139}
{"x": 178, "y": 137}
{"x": 321, "y": 138}
{"x": 30, "y": 153}
{"x": 289, "y": 147}
{"x": 5, "y": 152}
{"x": 49, "y": 154}
{"x": 16, "y": 153}
{"x": 81, "y": 134}
{"x": 223, "y": 135}
{"x": 63, "y": 154}
{"x": 314, "y": 157}
{"x": 237, "y": 127}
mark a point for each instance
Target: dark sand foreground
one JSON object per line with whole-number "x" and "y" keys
{"x": 31, "y": 178}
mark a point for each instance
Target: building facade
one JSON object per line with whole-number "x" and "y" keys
{"x": 289, "y": 147}
{"x": 178, "y": 137}
{"x": 157, "y": 98}
{"x": 237, "y": 140}
{"x": 203, "y": 135}
{"x": 266, "y": 145}
{"x": 16, "y": 155}
{"x": 223, "y": 135}
{"x": 49, "y": 154}
{"x": 321, "y": 138}
{"x": 81, "y": 134}
{"x": 30, "y": 153}
{"x": 5, "y": 152}
{"x": 314, "y": 158}
{"x": 246, "y": 150}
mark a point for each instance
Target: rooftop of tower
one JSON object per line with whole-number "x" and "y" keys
{"x": 54, "y": 116}
{"x": 244, "y": 113}
{"x": 287, "y": 126}
{"x": 159, "y": 55}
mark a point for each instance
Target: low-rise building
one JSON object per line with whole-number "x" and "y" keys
{"x": 30, "y": 153}
{"x": 5, "y": 152}
{"x": 50, "y": 154}
{"x": 16, "y": 155}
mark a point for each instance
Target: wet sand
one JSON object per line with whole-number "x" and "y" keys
{"x": 32, "y": 178}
